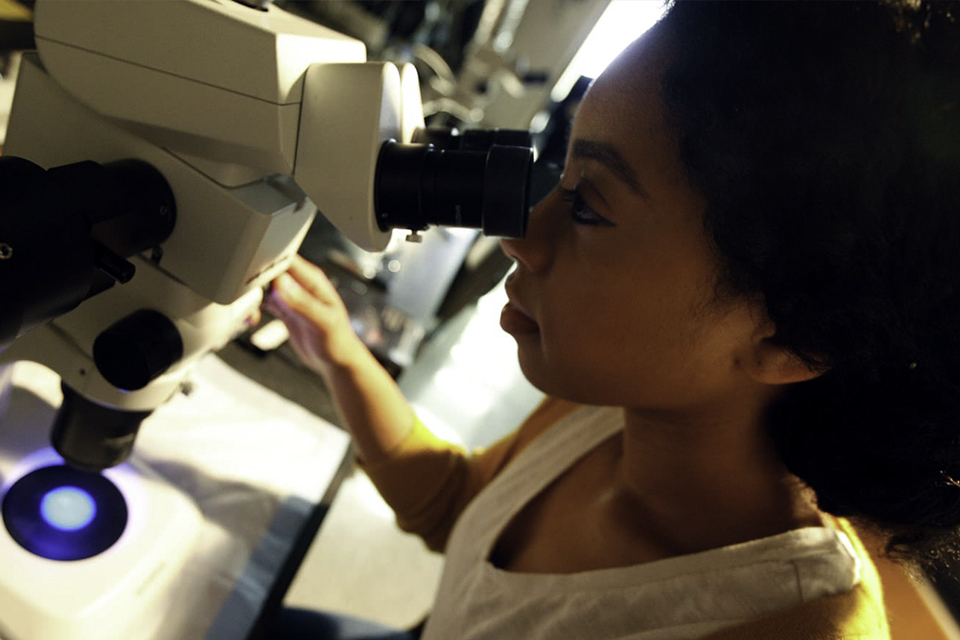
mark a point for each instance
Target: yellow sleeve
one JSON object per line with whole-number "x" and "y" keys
{"x": 428, "y": 481}
{"x": 12, "y": 11}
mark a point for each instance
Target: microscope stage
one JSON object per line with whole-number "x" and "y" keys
{"x": 121, "y": 592}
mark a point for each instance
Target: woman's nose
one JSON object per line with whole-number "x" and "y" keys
{"x": 533, "y": 251}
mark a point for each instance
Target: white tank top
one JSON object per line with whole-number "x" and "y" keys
{"x": 679, "y": 598}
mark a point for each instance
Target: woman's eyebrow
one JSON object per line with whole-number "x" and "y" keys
{"x": 607, "y": 155}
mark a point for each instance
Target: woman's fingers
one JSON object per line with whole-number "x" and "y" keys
{"x": 313, "y": 279}
{"x": 318, "y": 322}
{"x": 300, "y": 300}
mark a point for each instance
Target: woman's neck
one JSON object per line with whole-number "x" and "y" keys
{"x": 704, "y": 484}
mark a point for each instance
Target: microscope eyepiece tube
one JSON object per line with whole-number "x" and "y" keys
{"x": 473, "y": 182}
{"x": 472, "y": 139}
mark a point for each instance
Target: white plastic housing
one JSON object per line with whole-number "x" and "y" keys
{"x": 210, "y": 78}
{"x": 349, "y": 110}
{"x": 226, "y": 245}
{"x": 225, "y": 240}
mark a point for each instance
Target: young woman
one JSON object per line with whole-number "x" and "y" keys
{"x": 743, "y": 300}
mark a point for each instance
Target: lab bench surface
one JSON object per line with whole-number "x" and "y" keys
{"x": 281, "y": 372}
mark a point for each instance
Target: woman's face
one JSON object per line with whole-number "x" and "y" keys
{"x": 612, "y": 299}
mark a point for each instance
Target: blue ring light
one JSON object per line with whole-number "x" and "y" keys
{"x": 62, "y": 513}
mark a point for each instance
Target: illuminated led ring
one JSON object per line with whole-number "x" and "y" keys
{"x": 62, "y": 513}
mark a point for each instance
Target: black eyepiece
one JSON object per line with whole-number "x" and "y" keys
{"x": 478, "y": 180}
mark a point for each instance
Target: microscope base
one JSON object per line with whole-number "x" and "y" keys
{"x": 121, "y": 593}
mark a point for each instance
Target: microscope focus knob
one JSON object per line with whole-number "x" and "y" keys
{"x": 137, "y": 349}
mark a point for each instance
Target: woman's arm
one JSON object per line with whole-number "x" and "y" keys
{"x": 373, "y": 408}
{"x": 426, "y": 480}
{"x": 423, "y": 478}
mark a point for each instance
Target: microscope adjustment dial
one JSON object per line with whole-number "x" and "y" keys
{"x": 137, "y": 349}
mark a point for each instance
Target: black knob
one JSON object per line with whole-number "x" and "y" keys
{"x": 137, "y": 349}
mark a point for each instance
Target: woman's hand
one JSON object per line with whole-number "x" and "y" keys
{"x": 318, "y": 321}
{"x": 371, "y": 404}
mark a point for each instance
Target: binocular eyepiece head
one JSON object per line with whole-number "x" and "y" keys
{"x": 478, "y": 180}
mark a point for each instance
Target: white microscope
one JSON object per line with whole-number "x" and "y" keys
{"x": 164, "y": 161}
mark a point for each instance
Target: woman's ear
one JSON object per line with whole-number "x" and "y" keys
{"x": 771, "y": 363}
{"x": 774, "y": 364}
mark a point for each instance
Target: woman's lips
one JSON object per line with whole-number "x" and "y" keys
{"x": 515, "y": 322}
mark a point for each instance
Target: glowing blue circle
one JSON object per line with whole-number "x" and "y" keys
{"x": 68, "y": 508}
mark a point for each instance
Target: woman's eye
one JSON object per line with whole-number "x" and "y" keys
{"x": 580, "y": 211}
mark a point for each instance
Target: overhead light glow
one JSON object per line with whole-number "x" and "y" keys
{"x": 620, "y": 24}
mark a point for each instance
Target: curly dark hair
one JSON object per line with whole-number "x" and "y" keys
{"x": 825, "y": 137}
